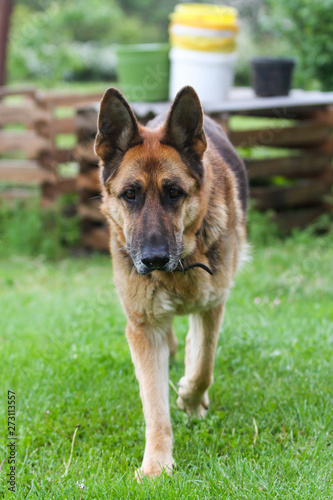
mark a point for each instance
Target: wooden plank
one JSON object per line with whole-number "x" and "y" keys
{"x": 63, "y": 155}
{"x": 27, "y": 141}
{"x": 286, "y": 221}
{"x": 11, "y": 195}
{"x": 24, "y": 171}
{"x": 282, "y": 113}
{"x": 49, "y": 195}
{"x": 64, "y": 125}
{"x": 44, "y": 129}
{"x": 327, "y": 146}
{"x": 281, "y": 197}
{"x": 91, "y": 211}
{"x": 86, "y": 119}
{"x": 242, "y": 100}
{"x": 86, "y": 166}
{"x": 308, "y": 131}
{"x": 85, "y": 151}
{"x": 327, "y": 175}
{"x": 97, "y": 238}
{"x": 24, "y": 90}
{"x": 46, "y": 160}
{"x": 66, "y": 185}
{"x": 88, "y": 197}
{"x": 53, "y": 98}
{"x": 6, "y": 7}
{"x": 305, "y": 134}
{"x": 86, "y": 116}
{"x": 26, "y": 114}
{"x": 324, "y": 115}
{"x": 307, "y": 165}
{"x": 90, "y": 180}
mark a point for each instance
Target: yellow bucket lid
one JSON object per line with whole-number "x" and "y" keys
{"x": 226, "y": 45}
{"x": 205, "y": 16}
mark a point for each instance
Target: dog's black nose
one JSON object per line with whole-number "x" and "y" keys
{"x": 155, "y": 260}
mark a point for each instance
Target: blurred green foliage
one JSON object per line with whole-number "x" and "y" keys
{"x": 67, "y": 38}
{"x": 307, "y": 25}
{"x": 54, "y": 40}
{"x": 25, "y": 229}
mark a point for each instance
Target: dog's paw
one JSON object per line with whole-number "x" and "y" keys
{"x": 198, "y": 411}
{"x": 153, "y": 468}
{"x": 194, "y": 403}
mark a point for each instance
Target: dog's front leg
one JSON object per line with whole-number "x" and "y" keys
{"x": 201, "y": 342}
{"x": 150, "y": 355}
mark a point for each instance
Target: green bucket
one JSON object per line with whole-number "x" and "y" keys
{"x": 143, "y": 71}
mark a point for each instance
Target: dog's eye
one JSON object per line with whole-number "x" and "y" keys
{"x": 174, "y": 193}
{"x": 130, "y": 194}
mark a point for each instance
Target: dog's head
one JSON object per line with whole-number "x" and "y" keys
{"x": 153, "y": 179}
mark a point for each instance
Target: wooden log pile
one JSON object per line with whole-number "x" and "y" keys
{"x": 61, "y": 131}
{"x": 24, "y": 152}
{"x": 95, "y": 231}
{"x": 30, "y": 151}
{"x": 298, "y": 184}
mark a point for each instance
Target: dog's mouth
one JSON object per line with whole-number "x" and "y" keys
{"x": 148, "y": 269}
{"x": 177, "y": 267}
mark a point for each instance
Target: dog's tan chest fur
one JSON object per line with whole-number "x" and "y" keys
{"x": 154, "y": 299}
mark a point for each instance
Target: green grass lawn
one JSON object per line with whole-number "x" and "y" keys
{"x": 269, "y": 430}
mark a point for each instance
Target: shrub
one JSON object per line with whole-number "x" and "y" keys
{"x": 25, "y": 229}
{"x": 50, "y": 44}
{"x": 307, "y": 26}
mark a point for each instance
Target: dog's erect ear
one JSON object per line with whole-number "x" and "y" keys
{"x": 117, "y": 131}
{"x": 184, "y": 126}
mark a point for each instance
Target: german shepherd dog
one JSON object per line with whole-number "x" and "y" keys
{"x": 175, "y": 194}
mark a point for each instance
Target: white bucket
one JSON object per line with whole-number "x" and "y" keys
{"x": 210, "y": 73}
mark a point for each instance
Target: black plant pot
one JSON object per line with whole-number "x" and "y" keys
{"x": 271, "y": 76}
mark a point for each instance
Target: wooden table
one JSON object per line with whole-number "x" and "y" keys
{"x": 289, "y": 159}
{"x": 242, "y": 100}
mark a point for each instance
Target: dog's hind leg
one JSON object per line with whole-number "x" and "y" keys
{"x": 201, "y": 342}
{"x": 150, "y": 355}
{"x": 172, "y": 342}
